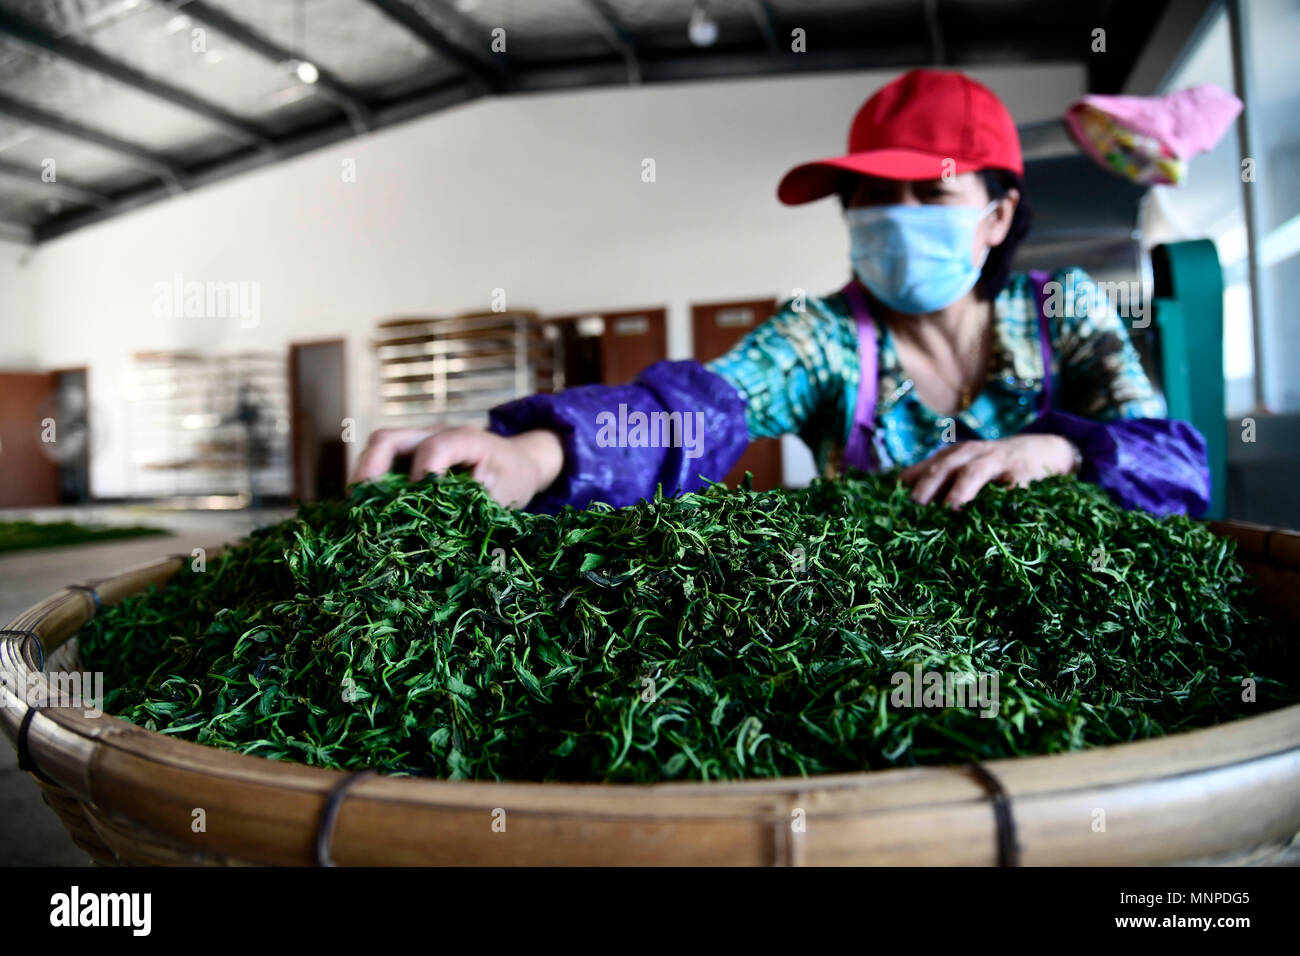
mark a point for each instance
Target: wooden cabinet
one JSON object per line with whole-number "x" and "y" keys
{"x": 29, "y": 473}
{"x": 609, "y": 348}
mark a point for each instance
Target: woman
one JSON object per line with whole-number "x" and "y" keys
{"x": 934, "y": 358}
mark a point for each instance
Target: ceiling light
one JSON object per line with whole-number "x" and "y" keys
{"x": 214, "y": 56}
{"x": 178, "y": 23}
{"x": 703, "y": 29}
{"x": 466, "y": 6}
{"x": 305, "y": 70}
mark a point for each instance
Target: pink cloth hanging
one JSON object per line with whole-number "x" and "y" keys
{"x": 1148, "y": 139}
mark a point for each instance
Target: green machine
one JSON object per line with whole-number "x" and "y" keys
{"x": 1188, "y": 308}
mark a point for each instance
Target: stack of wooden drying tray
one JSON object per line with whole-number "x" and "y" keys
{"x": 455, "y": 369}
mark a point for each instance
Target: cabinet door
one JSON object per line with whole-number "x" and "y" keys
{"x": 631, "y": 341}
{"x": 622, "y": 344}
{"x": 29, "y": 474}
{"x": 317, "y": 407}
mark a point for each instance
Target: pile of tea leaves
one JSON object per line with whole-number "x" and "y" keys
{"x": 423, "y": 629}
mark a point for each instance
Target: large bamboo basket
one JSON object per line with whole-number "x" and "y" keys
{"x": 128, "y": 795}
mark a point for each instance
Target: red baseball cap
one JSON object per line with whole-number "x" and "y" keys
{"x": 909, "y": 128}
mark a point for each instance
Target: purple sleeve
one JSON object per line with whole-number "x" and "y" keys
{"x": 1156, "y": 464}
{"x": 677, "y": 422}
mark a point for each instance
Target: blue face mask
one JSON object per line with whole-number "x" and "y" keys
{"x": 916, "y": 258}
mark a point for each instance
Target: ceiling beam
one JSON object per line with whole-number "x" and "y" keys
{"x": 566, "y": 76}
{"x": 1129, "y": 30}
{"x": 59, "y": 189}
{"x": 617, "y": 36}
{"x": 1175, "y": 37}
{"x": 16, "y": 232}
{"x": 491, "y": 74}
{"x": 935, "y": 32}
{"x": 460, "y": 24}
{"x": 88, "y": 57}
{"x": 766, "y": 21}
{"x": 675, "y": 68}
{"x": 154, "y": 163}
{"x": 330, "y": 86}
{"x": 456, "y": 93}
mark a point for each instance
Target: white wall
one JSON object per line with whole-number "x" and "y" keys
{"x": 18, "y": 343}
{"x": 540, "y": 195}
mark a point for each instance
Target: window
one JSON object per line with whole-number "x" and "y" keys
{"x": 1261, "y": 366}
{"x": 1209, "y": 204}
{"x": 1269, "y": 32}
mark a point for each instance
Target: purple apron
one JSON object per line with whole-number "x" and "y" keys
{"x": 859, "y": 451}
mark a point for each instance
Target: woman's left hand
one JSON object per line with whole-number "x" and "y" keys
{"x": 966, "y": 467}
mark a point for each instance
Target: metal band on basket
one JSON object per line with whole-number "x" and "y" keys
{"x": 25, "y": 761}
{"x": 99, "y": 606}
{"x": 1008, "y": 849}
{"x": 34, "y": 638}
{"x": 329, "y": 817}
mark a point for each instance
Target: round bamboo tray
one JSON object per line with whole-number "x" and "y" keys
{"x": 131, "y": 796}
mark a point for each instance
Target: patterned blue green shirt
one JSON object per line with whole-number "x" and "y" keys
{"x": 799, "y": 372}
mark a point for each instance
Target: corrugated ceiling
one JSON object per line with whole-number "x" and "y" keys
{"x": 125, "y": 102}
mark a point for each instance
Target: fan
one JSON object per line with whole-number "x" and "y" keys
{"x": 250, "y": 412}
{"x": 64, "y": 435}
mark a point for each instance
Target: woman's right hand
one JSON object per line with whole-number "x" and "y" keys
{"x": 513, "y": 469}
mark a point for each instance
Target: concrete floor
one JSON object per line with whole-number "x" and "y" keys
{"x": 30, "y": 833}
